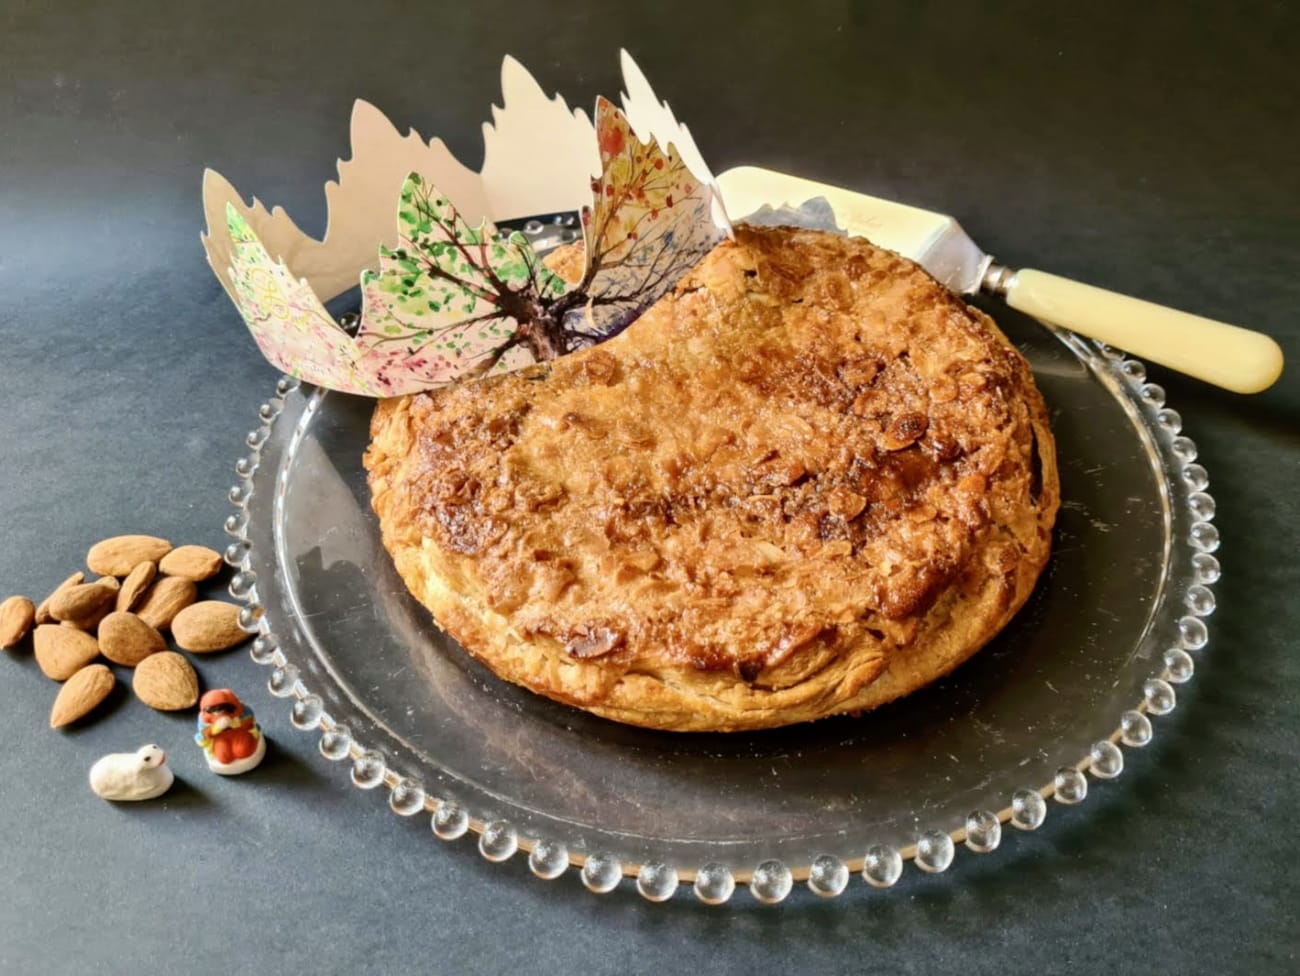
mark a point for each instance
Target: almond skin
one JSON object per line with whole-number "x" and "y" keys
{"x": 112, "y": 582}
{"x": 135, "y": 584}
{"x": 209, "y": 625}
{"x": 80, "y": 694}
{"x": 127, "y": 640}
{"x": 168, "y": 596}
{"x": 63, "y": 651}
{"x": 16, "y": 616}
{"x": 43, "y": 611}
{"x": 120, "y": 554}
{"x": 166, "y": 681}
{"x": 83, "y": 605}
{"x": 193, "y": 562}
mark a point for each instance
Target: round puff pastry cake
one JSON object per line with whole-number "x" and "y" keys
{"x": 806, "y": 482}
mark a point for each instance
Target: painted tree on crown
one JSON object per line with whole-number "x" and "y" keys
{"x": 460, "y": 300}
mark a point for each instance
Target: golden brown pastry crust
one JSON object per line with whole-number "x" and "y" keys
{"x": 808, "y": 481}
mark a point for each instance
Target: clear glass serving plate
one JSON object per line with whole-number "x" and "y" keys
{"x": 1052, "y": 701}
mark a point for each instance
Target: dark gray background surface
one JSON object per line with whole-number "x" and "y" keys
{"x": 1150, "y": 148}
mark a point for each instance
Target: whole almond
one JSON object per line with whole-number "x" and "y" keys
{"x": 83, "y": 605}
{"x": 136, "y": 582}
{"x": 127, "y": 640}
{"x": 192, "y": 562}
{"x": 80, "y": 694}
{"x": 166, "y": 681}
{"x": 209, "y": 625}
{"x": 168, "y": 596}
{"x": 63, "y": 651}
{"x": 119, "y": 555}
{"x": 16, "y": 616}
{"x": 43, "y": 611}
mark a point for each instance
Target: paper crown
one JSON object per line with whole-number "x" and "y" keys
{"x": 445, "y": 295}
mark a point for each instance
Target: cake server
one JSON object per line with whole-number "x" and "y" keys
{"x": 1225, "y": 355}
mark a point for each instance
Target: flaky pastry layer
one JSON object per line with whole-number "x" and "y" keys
{"x": 808, "y": 481}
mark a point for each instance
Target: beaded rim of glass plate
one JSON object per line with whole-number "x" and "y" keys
{"x": 772, "y": 881}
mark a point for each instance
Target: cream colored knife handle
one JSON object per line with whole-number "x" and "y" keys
{"x": 1225, "y": 355}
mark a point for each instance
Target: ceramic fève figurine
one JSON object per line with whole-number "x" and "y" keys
{"x": 140, "y": 775}
{"x": 230, "y": 737}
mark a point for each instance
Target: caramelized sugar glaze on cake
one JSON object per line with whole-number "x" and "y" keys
{"x": 806, "y": 482}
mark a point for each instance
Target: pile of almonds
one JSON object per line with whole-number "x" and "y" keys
{"x": 144, "y": 588}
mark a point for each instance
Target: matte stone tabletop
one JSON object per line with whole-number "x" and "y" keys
{"x": 1149, "y": 148}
